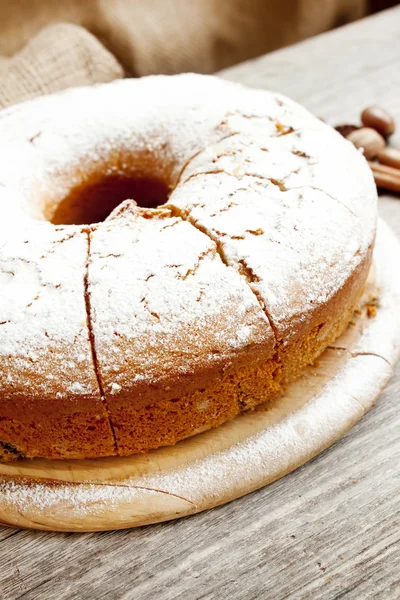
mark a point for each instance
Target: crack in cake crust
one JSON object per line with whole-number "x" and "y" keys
{"x": 246, "y": 273}
{"x": 92, "y": 339}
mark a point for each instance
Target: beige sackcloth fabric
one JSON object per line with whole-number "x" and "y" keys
{"x": 147, "y": 36}
{"x": 60, "y": 56}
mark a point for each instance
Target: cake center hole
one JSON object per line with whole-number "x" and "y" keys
{"x": 93, "y": 203}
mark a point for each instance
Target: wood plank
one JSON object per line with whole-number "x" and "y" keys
{"x": 329, "y": 530}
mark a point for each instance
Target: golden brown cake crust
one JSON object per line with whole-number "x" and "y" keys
{"x": 157, "y": 323}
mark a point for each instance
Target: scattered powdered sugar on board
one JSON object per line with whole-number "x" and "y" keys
{"x": 291, "y": 441}
{"x": 78, "y": 501}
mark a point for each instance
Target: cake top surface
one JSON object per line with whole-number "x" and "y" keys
{"x": 269, "y": 214}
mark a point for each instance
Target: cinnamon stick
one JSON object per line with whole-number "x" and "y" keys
{"x": 386, "y": 177}
{"x": 390, "y": 157}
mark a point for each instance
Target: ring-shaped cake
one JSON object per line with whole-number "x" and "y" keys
{"x": 173, "y": 251}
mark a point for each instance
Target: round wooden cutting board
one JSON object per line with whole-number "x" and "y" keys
{"x": 239, "y": 457}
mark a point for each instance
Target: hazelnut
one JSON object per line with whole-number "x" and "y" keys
{"x": 369, "y": 140}
{"x": 345, "y": 130}
{"x": 379, "y": 119}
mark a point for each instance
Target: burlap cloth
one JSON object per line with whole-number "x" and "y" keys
{"x": 145, "y": 36}
{"x": 59, "y": 57}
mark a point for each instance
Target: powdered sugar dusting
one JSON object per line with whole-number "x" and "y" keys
{"x": 175, "y": 298}
{"x": 169, "y": 125}
{"x": 43, "y": 339}
{"x": 293, "y": 206}
{"x": 287, "y": 239}
{"x": 157, "y": 123}
{"x": 288, "y": 205}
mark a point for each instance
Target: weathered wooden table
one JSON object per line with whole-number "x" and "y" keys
{"x": 329, "y": 530}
